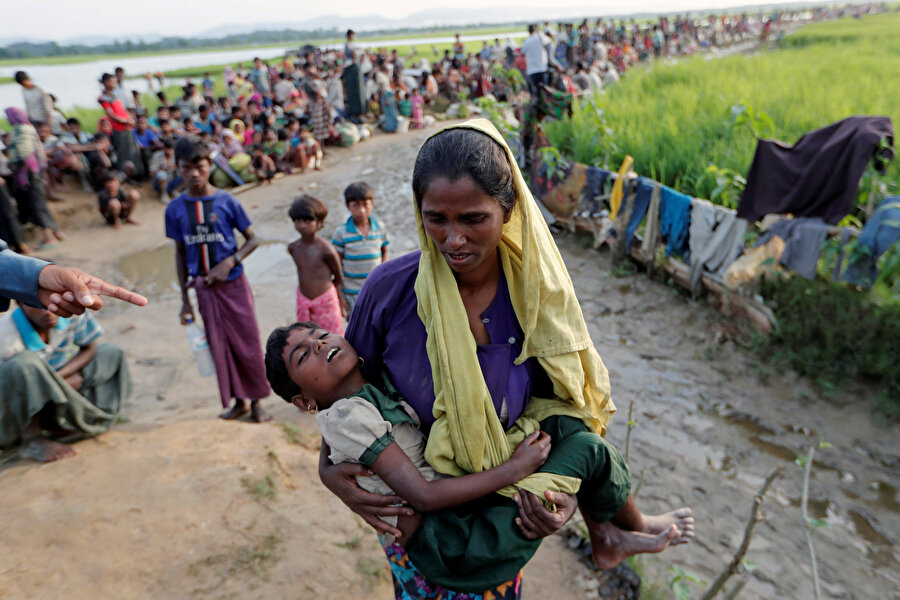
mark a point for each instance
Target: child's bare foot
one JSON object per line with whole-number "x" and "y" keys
{"x": 132, "y": 221}
{"x": 59, "y": 235}
{"x": 237, "y": 411}
{"x": 682, "y": 518}
{"x": 257, "y": 414}
{"x": 611, "y": 545}
{"x": 44, "y": 450}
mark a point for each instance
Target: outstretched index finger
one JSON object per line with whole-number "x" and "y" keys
{"x": 98, "y": 286}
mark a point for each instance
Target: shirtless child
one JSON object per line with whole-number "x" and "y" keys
{"x": 318, "y": 267}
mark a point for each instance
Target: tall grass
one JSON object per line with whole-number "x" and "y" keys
{"x": 675, "y": 118}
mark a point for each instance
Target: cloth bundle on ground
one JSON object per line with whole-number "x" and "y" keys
{"x": 753, "y": 263}
{"x": 819, "y": 175}
{"x": 467, "y": 435}
{"x": 716, "y": 239}
{"x": 803, "y": 239}
{"x": 882, "y": 231}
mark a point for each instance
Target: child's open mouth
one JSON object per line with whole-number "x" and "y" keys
{"x": 331, "y": 354}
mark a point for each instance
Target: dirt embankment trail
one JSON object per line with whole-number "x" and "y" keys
{"x": 174, "y": 503}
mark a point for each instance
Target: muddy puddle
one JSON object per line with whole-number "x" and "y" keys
{"x": 152, "y": 272}
{"x": 843, "y": 501}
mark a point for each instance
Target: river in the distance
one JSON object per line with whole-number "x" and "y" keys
{"x": 77, "y": 84}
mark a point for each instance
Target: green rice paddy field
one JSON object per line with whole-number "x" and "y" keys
{"x": 675, "y": 118}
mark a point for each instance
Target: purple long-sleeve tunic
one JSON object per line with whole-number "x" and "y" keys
{"x": 386, "y": 331}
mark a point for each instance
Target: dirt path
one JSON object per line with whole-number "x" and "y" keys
{"x": 174, "y": 503}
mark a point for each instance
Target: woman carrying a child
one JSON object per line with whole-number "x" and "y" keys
{"x": 482, "y": 335}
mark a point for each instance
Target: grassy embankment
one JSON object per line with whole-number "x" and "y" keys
{"x": 675, "y": 120}
{"x": 78, "y": 58}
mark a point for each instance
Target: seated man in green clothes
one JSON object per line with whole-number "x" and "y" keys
{"x": 56, "y": 381}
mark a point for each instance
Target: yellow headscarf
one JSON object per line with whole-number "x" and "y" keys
{"x": 467, "y": 436}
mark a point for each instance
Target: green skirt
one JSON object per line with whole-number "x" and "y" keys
{"x": 477, "y": 546}
{"x": 30, "y": 386}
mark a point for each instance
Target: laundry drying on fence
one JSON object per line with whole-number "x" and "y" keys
{"x": 710, "y": 239}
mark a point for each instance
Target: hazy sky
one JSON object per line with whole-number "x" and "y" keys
{"x": 65, "y": 19}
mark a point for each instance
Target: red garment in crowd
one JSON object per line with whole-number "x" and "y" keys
{"x": 111, "y": 103}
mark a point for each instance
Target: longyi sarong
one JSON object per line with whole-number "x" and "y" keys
{"x": 29, "y": 384}
{"x": 233, "y": 335}
{"x": 325, "y": 310}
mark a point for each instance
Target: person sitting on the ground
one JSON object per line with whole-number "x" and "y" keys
{"x": 276, "y": 147}
{"x": 147, "y": 140}
{"x": 163, "y": 171}
{"x": 167, "y": 130}
{"x": 117, "y": 204}
{"x": 102, "y": 161}
{"x": 57, "y": 118}
{"x": 263, "y": 165}
{"x": 312, "y": 149}
{"x": 283, "y": 88}
{"x": 60, "y": 159}
{"x": 119, "y": 162}
{"x": 80, "y": 143}
{"x": 162, "y": 114}
{"x": 55, "y": 377}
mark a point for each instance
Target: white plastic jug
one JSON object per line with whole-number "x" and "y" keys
{"x": 200, "y": 347}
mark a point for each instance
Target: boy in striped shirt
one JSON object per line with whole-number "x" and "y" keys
{"x": 361, "y": 242}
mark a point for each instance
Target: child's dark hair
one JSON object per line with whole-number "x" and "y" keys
{"x": 461, "y": 152}
{"x": 276, "y": 370}
{"x": 358, "y": 190}
{"x": 73, "y": 121}
{"x": 191, "y": 149}
{"x": 308, "y": 208}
